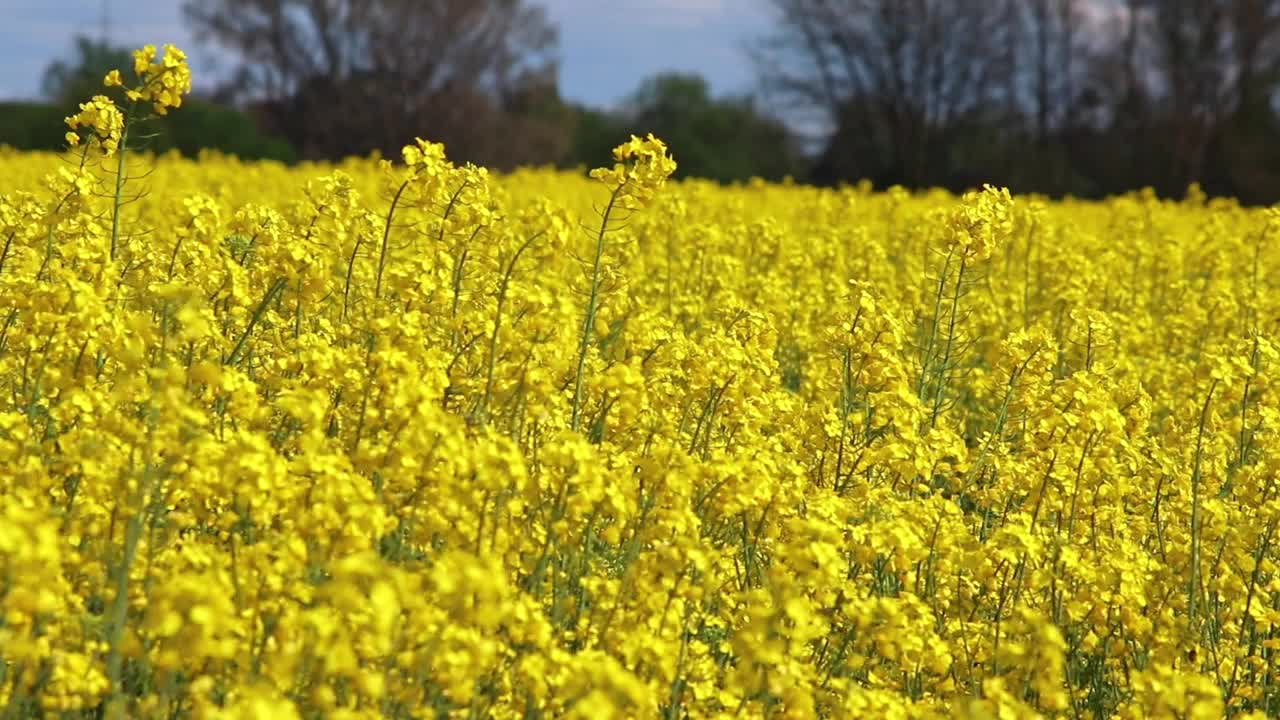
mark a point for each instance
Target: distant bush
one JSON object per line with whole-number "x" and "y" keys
{"x": 31, "y": 126}
{"x": 205, "y": 125}
{"x": 726, "y": 139}
{"x": 201, "y": 125}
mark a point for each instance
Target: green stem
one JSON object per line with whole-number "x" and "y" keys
{"x": 120, "y": 603}
{"x": 483, "y": 411}
{"x": 386, "y": 235}
{"x": 117, "y": 201}
{"x": 1193, "y": 581}
{"x": 275, "y": 288}
{"x": 589, "y": 322}
{"x": 927, "y": 360}
{"x": 944, "y": 366}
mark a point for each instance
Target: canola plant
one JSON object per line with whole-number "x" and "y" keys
{"x": 409, "y": 440}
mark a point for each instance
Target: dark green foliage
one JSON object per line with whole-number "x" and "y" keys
{"x": 201, "y": 125}
{"x": 197, "y": 125}
{"x": 595, "y": 134}
{"x": 722, "y": 139}
{"x": 32, "y": 126}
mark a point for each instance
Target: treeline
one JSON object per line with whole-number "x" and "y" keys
{"x": 330, "y": 113}
{"x": 203, "y": 123}
{"x": 1088, "y": 97}
{"x": 1082, "y": 97}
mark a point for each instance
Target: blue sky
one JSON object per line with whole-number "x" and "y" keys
{"x": 606, "y": 46}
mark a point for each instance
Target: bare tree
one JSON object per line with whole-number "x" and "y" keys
{"x": 903, "y": 73}
{"x": 1254, "y": 27}
{"x": 342, "y": 76}
{"x": 1056, "y": 47}
{"x": 1197, "y": 76}
{"x": 1213, "y": 60}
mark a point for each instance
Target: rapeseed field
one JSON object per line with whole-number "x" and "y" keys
{"x": 404, "y": 439}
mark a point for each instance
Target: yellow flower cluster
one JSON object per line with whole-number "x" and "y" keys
{"x": 402, "y": 440}
{"x": 641, "y": 169}
{"x": 161, "y": 83}
{"x": 103, "y": 118}
{"x": 981, "y": 223}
